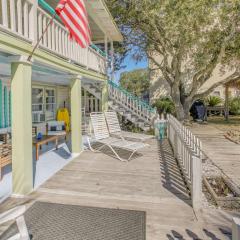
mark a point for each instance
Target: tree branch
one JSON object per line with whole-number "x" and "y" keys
{"x": 164, "y": 70}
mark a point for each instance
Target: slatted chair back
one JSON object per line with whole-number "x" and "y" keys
{"x": 99, "y": 125}
{"x": 112, "y": 122}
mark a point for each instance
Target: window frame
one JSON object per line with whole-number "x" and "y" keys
{"x": 49, "y": 115}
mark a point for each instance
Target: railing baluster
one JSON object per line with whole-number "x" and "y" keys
{"x": 44, "y": 27}
{"x": 49, "y": 35}
{"x": 53, "y": 31}
{"x": 57, "y": 39}
{"x": 13, "y": 15}
{"x": 19, "y": 16}
{"x": 40, "y": 26}
{"x": 5, "y": 13}
{"x": 26, "y": 20}
{"x": 60, "y": 40}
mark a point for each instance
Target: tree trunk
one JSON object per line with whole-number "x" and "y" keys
{"x": 182, "y": 111}
{"x": 179, "y": 112}
{"x": 226, "y": 110}
{"x": 182, "y": 105}
{"x": 186, "y": 107}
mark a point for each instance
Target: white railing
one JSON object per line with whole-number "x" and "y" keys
{"x": 27, "y": 20}
{"x": 187, "y": 150}
{"x": 16, "y": 16}
{"x": 91, "y": 104}
{"x": 130, "y": 102}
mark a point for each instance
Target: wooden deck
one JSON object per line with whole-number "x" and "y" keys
{"x": 224, "y": 153}
{"x": 151, "y": 182}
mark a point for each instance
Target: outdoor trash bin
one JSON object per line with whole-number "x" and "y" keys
{"x": 160, "y": 128}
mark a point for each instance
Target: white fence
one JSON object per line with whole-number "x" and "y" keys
{"x": 25, "y": 19}
{"x": 236, "y": 229}
{"x": 187, "y": 150}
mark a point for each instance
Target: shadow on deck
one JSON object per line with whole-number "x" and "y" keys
{"x": 172, "y": 178}
{"x": 150, "y": 182}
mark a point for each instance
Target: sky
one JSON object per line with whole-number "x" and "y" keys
{"x": 130, "y": 65}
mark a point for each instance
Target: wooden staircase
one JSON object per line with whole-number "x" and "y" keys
{"x": 131, "y": 107}
{"x": 126, "y": 104}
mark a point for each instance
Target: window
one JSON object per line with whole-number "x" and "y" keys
{"x": 44, "y": 101}
{"x": 37, "y": 100}
{"x": 50, "y": 103}
{"x": 216, "y": 93}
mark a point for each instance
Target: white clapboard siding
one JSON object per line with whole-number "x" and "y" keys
{"x": 63, "y": 95}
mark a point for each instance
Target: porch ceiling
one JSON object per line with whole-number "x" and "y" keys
{"x": 41, "y": 73}
{"x": 100, "y": 20}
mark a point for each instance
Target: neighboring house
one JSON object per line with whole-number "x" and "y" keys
{"x": 159, "y": 86}
{"x": 220, "y": 92}
{"x": 60, "y": 74}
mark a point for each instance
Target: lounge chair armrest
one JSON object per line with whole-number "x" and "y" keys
{"x": 12, "y": 214}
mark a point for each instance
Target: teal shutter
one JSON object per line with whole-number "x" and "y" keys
{"x": 1, "y": 105}
{"x": 10, "y": 108}
{"x": 5, "y": 107}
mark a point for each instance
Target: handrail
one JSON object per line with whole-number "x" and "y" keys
{"x": 133, "y": 97}
{"x": 98, "y": 50}
{"x": 49, "y": 9}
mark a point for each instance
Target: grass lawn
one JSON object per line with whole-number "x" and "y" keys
{"x": 233, "y": 120}
{"x": 219, "y": 122}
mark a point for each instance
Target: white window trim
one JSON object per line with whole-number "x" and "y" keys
{"x": 42, "y": 88}
{"x": 44, "y": 109}
{"x": 45, "y": 102}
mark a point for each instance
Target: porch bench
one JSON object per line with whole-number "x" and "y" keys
{"x": 56, "y": 128}
{"x": 5, "y": 157}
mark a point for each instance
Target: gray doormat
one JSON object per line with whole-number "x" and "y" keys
{"x": 49, "y": 221}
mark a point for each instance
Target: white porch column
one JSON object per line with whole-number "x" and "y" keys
{"x": 104, "y": 99}
{"x": 85, "y": 97}
{"x": 22, "y": 162}
{"x": 76, "y": 115}
{"x": 33, "y": 20}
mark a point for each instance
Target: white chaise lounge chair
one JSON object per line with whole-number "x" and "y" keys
{"x": 115, "y": 129}
{"x": 16, "y": 214}
{"x": 101, "y": 135}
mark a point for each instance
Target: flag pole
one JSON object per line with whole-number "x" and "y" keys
{"x": 40, "y": 39}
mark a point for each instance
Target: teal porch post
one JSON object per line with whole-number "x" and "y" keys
{"x": 76, "y": 115}
{"x": 6, "y": 107}
{"x": 105, "y": 96}
{"x": 22, "y": 163}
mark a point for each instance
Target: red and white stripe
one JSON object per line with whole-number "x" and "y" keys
{"x": 74, "y": 15}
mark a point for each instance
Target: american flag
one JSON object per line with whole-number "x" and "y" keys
{"x": 74, "y": 15}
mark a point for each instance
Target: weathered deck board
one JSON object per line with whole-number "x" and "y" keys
{"x": 150, "y": 183}
{"x": 224, "y": 153}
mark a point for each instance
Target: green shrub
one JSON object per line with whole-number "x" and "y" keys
{"x": 213, "y": 101}
{"x": 164, "y": 105}
{"x": 234, "y": 106}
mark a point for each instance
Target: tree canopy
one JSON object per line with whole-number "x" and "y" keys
{"x": 136, "y": 81}
{"x": 193, "y": 39}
